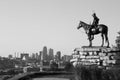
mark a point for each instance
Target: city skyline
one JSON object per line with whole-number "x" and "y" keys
{"x": 27, "y": 25}
{"x": 45, "y": 51}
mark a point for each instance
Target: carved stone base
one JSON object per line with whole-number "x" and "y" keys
{"x": 93, "y": 49}
{"x": 95, "y": 55}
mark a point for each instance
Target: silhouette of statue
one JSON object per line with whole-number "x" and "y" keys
{"x": 101, "y": 28}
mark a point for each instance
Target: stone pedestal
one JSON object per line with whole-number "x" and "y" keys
{"x": 93, "y": 55}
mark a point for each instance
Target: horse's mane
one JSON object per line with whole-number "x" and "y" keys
{"x": 84, "y": 23}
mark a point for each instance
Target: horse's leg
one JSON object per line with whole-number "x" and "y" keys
{"x": 92, "y": 37}
{"x": 106, "y": 37}
{"x": 90, "y": 42}
{"x": 102, "y": 40}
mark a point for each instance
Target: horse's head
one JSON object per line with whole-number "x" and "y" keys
{"x": 80, "y": 25}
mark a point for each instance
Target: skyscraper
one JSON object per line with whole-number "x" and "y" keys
{"x": 33, "y": 56}
{"x": 40, "y": 55}
{"x": 45, "y": 53}
{"x": 51, "y": 54}
{"x": 37, "y": 56}
{"x": 58, "y": 56}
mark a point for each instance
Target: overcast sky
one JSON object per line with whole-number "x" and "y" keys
{"x": 28, "y": 25}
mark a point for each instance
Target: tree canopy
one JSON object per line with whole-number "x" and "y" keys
{"x": 118, "y": 41}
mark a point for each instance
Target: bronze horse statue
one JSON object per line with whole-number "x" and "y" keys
{"x": 103, "y": 29}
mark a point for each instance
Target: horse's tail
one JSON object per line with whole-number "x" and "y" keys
{"x": 104, "y": 31}
{"x": 106, "y": 36}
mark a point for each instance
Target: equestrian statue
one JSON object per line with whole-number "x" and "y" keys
{"x": 94, "y": 29}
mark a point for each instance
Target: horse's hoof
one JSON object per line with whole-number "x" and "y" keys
{"x": 101, "y": 45}
{"x": 90, "y": 46}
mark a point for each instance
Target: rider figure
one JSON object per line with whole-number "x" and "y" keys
{"x": 94, "y": 25}
{"x": 95, "y": 21}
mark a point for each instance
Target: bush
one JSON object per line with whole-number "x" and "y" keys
{"x": 53, "y": 66}
{"x": 90, "y": 73}
{"x": 69, "y": 67}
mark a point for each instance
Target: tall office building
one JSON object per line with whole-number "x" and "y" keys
{"x": 58, "y": 56}
{"x": 51, "y": 54}
{"x": 33, "y": 56}
{"x": 40, "y": 55}
{"x": 45, "y": 56}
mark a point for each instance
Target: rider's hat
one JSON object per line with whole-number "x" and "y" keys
{"x": 94, "y": 14}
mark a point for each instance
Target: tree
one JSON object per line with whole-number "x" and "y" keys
{"x": 118, "y": 41}
{"x": 69, "y": 67}
{"x": 53, "y": 65}
{"x": 117, "y": 57}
